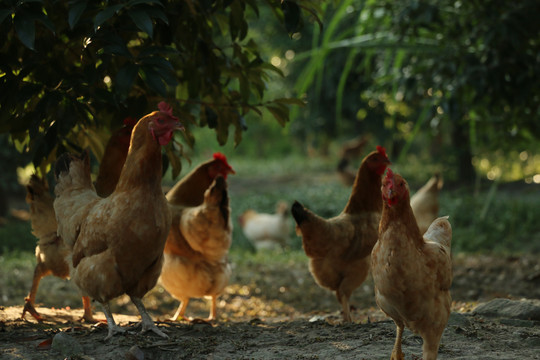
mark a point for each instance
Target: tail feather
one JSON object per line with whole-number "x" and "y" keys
{"x": 440, "y": 231}
{"x": 299, "y": 213}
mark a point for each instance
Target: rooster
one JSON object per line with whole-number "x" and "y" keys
{"x": 339, "y": 247}
{"x": 266, "y": 231}
{"x": 195, "y": 255}
{"x": 51, "y": 250}
{"x": 425, "y": 202}
{"x": 116, "y": 243}
{"x": 412, "y": 273}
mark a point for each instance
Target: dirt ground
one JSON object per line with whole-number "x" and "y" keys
{"x": 275, "y": 311}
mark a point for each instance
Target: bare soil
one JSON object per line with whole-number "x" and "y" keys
{"x": 275, "y": 310}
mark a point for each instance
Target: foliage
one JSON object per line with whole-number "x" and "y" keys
{"x": 464, "y": 75}
{"x": 71, "y": 69}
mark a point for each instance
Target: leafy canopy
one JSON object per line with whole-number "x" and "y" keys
{"x": 71, "y": 71}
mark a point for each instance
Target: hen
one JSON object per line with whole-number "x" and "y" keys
{"x": 339, "y": 247}
{"x": 267, "y": 231}
{"x": 195, "y": 256}
{"x": 412, "y": 273}
{"x": 50, "y": 250}
{"x": 189, "y": 191}
{"x": 114, "y": 158}
{"x": 117, "y": 242}
{"x": 425, "y": 202}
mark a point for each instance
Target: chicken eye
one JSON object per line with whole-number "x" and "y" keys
{"x": 160, "y": 121}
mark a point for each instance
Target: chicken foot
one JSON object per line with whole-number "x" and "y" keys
{"x": 87, "y": 316}
{"x": 39, "y": 272}
{"x": 113, "y": 328}
{"x": 147, "y": 323}
{"x": 397, "y": 353}
{"x": 182, "y": 309}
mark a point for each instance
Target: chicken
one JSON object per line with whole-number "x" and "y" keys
{"x": 114, "y": 158}
{"x": 346, "y": 174}
{"x": 412, "y": 273}
{"x": 267, "y": 231}
{"x": 350, "y": 150}
{"x": 189, "y": 191}
{"x": 425, "y": 202}
{"x": 353, "y": 148}
{"x": 50, "y": 250}
{"x": 116, "y": 243}
{"x": 195, "y": 256}
{"x": 339, "y": 247}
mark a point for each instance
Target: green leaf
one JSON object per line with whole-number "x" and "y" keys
{"x": 280, "y": 113}
{"x": 26, "y": 29}
{"x": 290, "y": 101}
{"x": 76, "y": 9}
{"x": 291, "y": 11}
{"x": 106, "y": 14}
{"x": 126, "y": 77}
{"x": 4, "y": 13}
{"x": 156, "y": 13}
{"x": 153, "y": 80}
{"x": 142, "y": 20}
{"x": 147, "y": 2}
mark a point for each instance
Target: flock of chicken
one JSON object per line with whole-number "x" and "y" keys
{"x": 122, "y": 235}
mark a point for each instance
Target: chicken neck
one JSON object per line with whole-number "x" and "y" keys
{"x": 400, "y": 213}
{"x": 189, "y": 191}
{"x": 366, "y": 192}
{"x": 143, "y": 164}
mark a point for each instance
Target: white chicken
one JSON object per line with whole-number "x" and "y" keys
{"x": 267, "y": 231}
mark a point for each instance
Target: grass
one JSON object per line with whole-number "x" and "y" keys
{"x": 503, "y": 221}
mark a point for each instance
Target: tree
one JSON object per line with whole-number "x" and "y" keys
{"x": 468, "y": 69}
{"x": 70, "y": 71}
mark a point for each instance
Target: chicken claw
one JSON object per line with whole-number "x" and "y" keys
{"x": 30, "y": 308}
{"x": 147, "y": 323}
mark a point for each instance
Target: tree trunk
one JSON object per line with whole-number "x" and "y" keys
{"x": 462, "y": 144}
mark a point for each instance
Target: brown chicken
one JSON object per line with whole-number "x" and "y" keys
{"x": 425, "y": 202}
{"x": 117, "y": 242}
{"x": 412, "y": 273}
{"x": 339, "y": 247}
{"x": 50, "y": 250}
{"x": 267, "y": 231}
{"x": 189, "y": 191}
{"x": 114, "y": 158}
{"x": 195, "y": 256}
{"x": 350, "y": 150}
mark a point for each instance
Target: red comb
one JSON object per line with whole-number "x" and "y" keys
{"x": 381, "y": 151}
{"x": 165, "y": 108}
{"x": 220, "y": 156}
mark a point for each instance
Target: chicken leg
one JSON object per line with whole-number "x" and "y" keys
{"x": 430, "y": 348}
{"x": 179, "y": 314}
{"x": 147, "y": 323}
{"x": 87, "y": 316}
{"x": 397, "y": 353}
{"x": 29, "y": 301}
{"x": 113, "y": 328}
